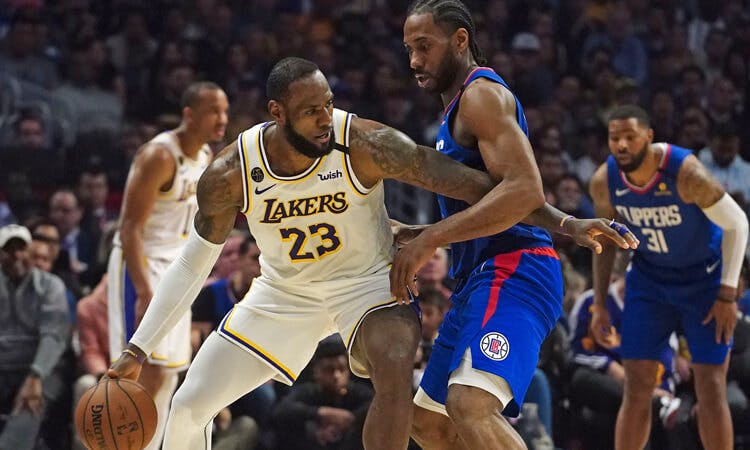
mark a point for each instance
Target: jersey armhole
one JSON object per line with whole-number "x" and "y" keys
{"x": 247, "y": 201}
{"x": 354, "y": 182}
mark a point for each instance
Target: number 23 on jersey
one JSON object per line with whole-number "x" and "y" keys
{"x": 302, "y": 251}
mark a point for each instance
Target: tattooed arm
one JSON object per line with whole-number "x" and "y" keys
{"x": 220, "y": 197}
{"x": 378, "y": 152}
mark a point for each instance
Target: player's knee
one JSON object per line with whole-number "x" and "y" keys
{"x": 639, "y": 387}
{"x": 186, "y": 409}
{"x": 391, "y": 356}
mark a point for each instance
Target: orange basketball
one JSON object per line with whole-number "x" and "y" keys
{"x": 116, "y": 415}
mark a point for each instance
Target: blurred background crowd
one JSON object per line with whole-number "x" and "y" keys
{"x": 84, "y": 83}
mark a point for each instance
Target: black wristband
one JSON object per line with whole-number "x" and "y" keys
{"x": 725, "y": 299}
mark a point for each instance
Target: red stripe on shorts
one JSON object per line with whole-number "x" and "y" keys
{"x": 506, "y": 264}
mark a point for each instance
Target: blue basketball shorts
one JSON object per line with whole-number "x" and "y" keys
{"x": 501, "y": 312}
{"x": 654, "y": 309}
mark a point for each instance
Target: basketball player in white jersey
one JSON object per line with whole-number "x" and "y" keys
{"x": 310, "y": 184}
{"x": 157, "y": 214}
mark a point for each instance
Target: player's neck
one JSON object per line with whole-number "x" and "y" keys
{"x": 189, "y": 143}
{"x": 461, "y": 75}
{"x": 283, "y": 158}
{"x": 642, "y": 175}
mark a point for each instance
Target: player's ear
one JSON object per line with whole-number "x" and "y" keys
{"x": 650, "y": 134}
{"x": 461, "y": 39}
{"x": 276, "y": 110}
{"x": 187, "y": 114}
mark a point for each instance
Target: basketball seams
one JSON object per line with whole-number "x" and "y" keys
{"x": 109, "y": 416}
{"x": 85, "y": 411}
{"x": 137, "y": 411}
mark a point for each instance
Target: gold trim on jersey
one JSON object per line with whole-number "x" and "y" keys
{"x": 245, "y": 170}
{"x": 353, "y": 333}
{"x": 255, "y": 348}
{"x": 267, "y": 166}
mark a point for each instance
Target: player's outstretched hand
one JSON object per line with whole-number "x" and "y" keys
{"x": 128, "y": 366}
{"x": 408, "y": 260}
{"x": 601, "y": 327}
{"x": 586, "y": 231}
{"x": 725, "y": 315}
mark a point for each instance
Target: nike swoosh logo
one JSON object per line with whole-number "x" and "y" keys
{"x": 712, "y": 267}
{"x": 621, "y": 192}
{"x": 260, "y": 191}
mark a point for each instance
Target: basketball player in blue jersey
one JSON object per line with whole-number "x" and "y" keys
{"x": 684, "y": 275}
{"x": 509, "y": 292}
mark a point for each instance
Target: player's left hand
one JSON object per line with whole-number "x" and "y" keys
{"x": 725, "y": 315}
{"x": 408, "y": 260}
{"x": 585, "y": 231}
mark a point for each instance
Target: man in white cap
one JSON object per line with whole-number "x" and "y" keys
{"x": 33, "y": 335}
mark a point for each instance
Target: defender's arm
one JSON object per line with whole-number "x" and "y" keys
{"x": 379, "y": 151}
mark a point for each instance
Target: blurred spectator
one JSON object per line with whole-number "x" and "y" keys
{"x": 722, "y": 159}
{"x": 227, "y": 264}
{"x": 76, "y": 244}
{"x": 21, "y": 51}
{"x": 434, "y": 305}
{"x": 328, "y": 412}
{"x": 552, "y": 167}
{"x": 132, "y": 47}
{"x": 93, "y": 190}
{"x": 93, "y": 341}
{"x": 33, "y": 337}
{"x": 723, "y": 101}
{"x": 571, "y": 197}
{"x": 628, "y": 53}
{"x": 691, "y": 88}
{"x": 711, "y": 57}
{"x": 30, "y": 151}
{"x": 664, "y": 116}
{"x": 592, "y": 140}
{"x": 89, "y": 106}
{"x": 533, "y": 82}
{"x": 433, "y": 274}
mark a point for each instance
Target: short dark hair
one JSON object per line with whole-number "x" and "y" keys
{"x": 192, "y": 94}
{"x": 330, "y": 347}
{"x": 623, "y": 112}
{"x": 453, "y": 13}
{"x": 286, "y": 72}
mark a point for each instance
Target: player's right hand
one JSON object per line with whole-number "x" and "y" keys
{"x": 601, "y": 327}
{"x": 127, "y": 366}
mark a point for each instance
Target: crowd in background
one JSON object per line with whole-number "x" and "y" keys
{"x": 84, "y": 83}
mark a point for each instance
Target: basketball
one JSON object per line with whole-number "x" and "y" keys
{"x": 116, "y": 414}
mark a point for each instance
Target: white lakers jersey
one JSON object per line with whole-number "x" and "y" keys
{"x": 167, "y": 227}
{"x": 319, "y": 225}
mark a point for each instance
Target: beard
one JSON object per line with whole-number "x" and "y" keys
{"x": 306, "y": 147}
{"x": 636, "y": 161}
{"x": 445, "y": 74}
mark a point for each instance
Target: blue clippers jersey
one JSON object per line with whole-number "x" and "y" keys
{"x": 469, "y": 254}
{"x": 673, "y": 234}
